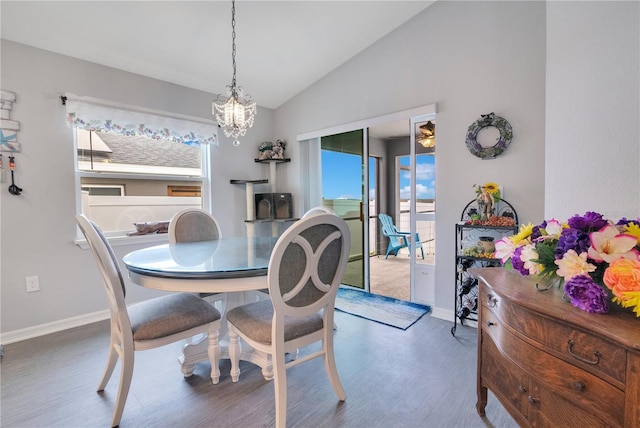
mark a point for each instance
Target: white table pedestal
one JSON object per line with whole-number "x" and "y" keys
{"x": 196, "y": 350}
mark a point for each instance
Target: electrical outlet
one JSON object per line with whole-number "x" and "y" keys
{"x": 33, "y": 284}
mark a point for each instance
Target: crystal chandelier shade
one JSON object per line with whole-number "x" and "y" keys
{"x": 234, "y": 112}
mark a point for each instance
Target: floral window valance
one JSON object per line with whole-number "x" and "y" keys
{"x": 98, "y": 115}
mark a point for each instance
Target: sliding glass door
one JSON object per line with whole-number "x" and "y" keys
{"x": 342, "y": 187}
{"x": 351, "y": 169}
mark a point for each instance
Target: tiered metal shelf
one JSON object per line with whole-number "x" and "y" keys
{"x": 468, "y": 233}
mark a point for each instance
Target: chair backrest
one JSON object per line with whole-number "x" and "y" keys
{"x": 388, "y": 228}
{"x": 318, "y": 210}
{"x": 391, "y": 231}
{"x": 193, "y": 224}
{"x": 109, "y": 270}
{"x": 307, "y": 266}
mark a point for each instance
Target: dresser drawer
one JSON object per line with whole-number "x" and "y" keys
{"x": 507, "y": 381}
{"x": 585, "y": 390}
{"x": 586, "y": 350}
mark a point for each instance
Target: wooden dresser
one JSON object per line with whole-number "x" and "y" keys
{"x": 553, "y": 365}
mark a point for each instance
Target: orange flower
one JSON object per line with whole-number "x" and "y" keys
{"x": 623, "y": 276}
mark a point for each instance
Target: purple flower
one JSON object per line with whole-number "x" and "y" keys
{"x": 517, "y": 263}
{"x": 586, "y": 294}
{"x": 623, "y": 222}
{"x": 590, "y": 222}
{"x": 535, "y": 232}
{"x": 572, "y": 239}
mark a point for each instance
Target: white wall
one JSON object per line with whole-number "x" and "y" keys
{"x": 470, "y": 58}
{"x": 38, "y": 227}
{"x": 593, "y": 115}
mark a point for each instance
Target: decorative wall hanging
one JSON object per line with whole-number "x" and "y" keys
{"x": 486, "y": 120}
{"x": 13, "y": 189}
{"x": 8, "y": 128}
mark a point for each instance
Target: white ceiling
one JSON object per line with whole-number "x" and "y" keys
{"x": 282, "y": 46}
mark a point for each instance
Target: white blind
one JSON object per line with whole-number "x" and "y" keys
{"x": 99, "y": 115}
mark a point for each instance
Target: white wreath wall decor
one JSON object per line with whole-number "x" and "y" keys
{"x": 486, "y": 120}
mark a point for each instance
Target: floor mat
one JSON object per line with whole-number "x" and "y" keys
{"x": 381, "y": 309}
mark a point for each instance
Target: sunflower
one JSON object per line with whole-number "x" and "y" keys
{"x": 492, "y": 188}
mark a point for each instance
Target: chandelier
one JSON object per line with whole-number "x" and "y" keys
{"x": 234, "y": 112}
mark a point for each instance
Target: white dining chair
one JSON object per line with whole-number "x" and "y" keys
{"x": 192, "y": 225}
{"x": 148, "y": 324}
{"x": 305, "y": 271}
{"x": 318, "y": 210}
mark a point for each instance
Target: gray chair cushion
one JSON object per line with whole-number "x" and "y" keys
{"x": 170, "y": 314}
{"x": 254, "y": 320}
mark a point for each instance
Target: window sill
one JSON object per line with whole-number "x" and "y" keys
{"x": 120, "y": 240}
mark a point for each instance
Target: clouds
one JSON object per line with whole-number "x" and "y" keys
{"x": 422, "y": 191}
{"x": 425, "y": 182}
{"x": 424, "y": 172}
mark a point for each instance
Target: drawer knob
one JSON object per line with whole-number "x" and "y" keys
{"x": 489, "y": 323}
{"x": 578, "y": 386}
{"x": 491, "y": 301}
{"x": 596, "y": 354}
{"x": 532, "y": 400}
{"x": 522, "y": 389}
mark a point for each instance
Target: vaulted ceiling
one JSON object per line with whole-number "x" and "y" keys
{"x": 282, "y": 46}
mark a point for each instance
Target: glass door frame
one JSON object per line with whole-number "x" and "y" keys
{"x": 414, "y": 216}
{"x": 310, "y": 173}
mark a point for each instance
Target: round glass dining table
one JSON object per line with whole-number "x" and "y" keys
{"x": 234, "y": 266}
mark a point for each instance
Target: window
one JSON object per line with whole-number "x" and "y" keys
{"x": 127, "y": 174}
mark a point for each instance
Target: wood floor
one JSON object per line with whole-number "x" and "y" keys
{"x": 421, "y": 377}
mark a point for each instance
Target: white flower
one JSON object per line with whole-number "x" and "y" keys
{"x": 528, "y": 254}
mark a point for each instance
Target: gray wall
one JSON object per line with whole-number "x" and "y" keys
{"x": 470, "y": 58}
{"x": 593, "y": 114}
{"x": 38, "y": 227}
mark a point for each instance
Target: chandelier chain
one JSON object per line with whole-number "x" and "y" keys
{"x": 233, "y": 43}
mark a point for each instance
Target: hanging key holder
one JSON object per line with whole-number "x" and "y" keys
{"x": 13, "y": 189}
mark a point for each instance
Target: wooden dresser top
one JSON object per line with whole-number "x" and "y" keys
{"x": 619, "y": 325}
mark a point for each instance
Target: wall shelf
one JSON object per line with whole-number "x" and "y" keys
{"x": 251, "y": 220}
{"x": 272, "y": 160}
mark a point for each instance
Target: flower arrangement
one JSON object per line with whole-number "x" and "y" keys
{"x": 594, "y": 259}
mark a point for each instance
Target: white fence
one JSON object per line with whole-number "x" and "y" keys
{"x": 119, "y": 213}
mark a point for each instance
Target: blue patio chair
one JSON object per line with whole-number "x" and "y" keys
{"x": 397, "y": 240}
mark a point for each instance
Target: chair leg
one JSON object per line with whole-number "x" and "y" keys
{"x": 280, "y": 387}
{"x": 234, "y": 354}
{"x": 112, "y": 359}
{"x": 330, "y": 367}
{"x": 126, "y": 372}
{"x": 214, "y": 353}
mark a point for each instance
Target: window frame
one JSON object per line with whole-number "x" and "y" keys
{"x": 116, "y": 238}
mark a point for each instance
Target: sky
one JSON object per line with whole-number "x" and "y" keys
{"x": 342, "y": 176}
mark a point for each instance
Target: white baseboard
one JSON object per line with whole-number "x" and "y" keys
{"x": 447, "y": 315}
{"x": 52, "y": 327}
{"x": 441, "y": 313}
